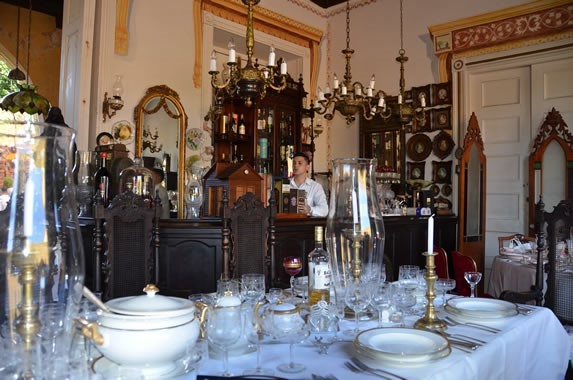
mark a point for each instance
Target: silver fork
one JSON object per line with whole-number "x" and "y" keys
{"x": 355, "y": 369}
{"x": 449, "y": 321}
{"x": 363, "y": 366}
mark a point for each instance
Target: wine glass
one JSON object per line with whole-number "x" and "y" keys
{"x": 224, "y": 328}
{"x": 255, "y": 334}
{"x": 357, "y": 298}
{"x": 472, "y": 278}
{"x": 381, "y": 299}
{"x": 252, "y": 287}
{"x": 404, "y": 299}
{"x": 293, "y": 266}
{"x": 294, "y": 330}
{"x": 444, "y": 285}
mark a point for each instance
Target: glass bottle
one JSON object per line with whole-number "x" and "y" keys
{"x": 102, "y": 179}
{"x": 42, "y": 266}
{"x": 84, "y": 177}
{"x": 318, "y": 270}
{"x": 354, "y": 226}
{"x": 270, "y": 121}
{"x": 242, "y": 126}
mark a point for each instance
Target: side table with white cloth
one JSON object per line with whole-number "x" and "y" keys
{"x": 531, "y": 346}
{"x": 511, "y": 273}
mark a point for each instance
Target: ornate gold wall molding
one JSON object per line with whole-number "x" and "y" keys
{"x": 264, "y": 20}
{"x": 509, "y": 28}
{"x": 121, "y": 34}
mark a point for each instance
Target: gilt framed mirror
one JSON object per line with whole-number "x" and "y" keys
{"x": 160, "y": 125}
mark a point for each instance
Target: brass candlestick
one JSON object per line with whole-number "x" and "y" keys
{"x": 430, "y": 320}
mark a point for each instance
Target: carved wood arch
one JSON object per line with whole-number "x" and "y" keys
{"x": 552, "y": 129}
{"x": 472, "y": 195}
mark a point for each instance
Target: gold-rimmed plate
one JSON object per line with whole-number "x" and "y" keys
{"x": 480, "y": 308}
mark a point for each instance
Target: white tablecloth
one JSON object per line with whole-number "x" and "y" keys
{"x": 510, "y": 274}
{"x": 534, "y": 346}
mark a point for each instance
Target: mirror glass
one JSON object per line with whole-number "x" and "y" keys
{"x": 161, "y": 123}
{"x": 473, "y": 194}
{"x": 554, "y": 166}
{"x": 385, "y": 148}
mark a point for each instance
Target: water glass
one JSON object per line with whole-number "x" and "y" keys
{"x": 301, "y": 287}
{"x": 253, "y": 287}
{"x": 228, "y": 288}
{"x": 224, "y": 328}
{"x": 357, "y": 298}
{"x": 472, "y": 278}
{"x": 381, "y": 300}
{"x": 408, "y": 276}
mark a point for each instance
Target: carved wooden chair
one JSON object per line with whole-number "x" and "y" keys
{"x": 559, "y": 294}
{"x": 441, "y": 262}
{"x": 249, "y": 237}
{"x": 129, "y": 229}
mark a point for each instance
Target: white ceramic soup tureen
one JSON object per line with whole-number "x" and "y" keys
{"x": 149, "y": 331}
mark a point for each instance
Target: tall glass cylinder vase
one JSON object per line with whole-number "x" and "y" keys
{"x": 41, "y": 254}
{"x": 354, "y": 226}
{"x": 84, "y": 171}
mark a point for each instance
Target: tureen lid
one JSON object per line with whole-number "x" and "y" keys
{"x": 150, "y": 304}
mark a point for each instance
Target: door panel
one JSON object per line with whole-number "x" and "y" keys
{"x": 501, "y": 102}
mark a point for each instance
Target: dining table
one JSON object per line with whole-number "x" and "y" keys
{"x": 511, "y": 273}
{"x": 529, "y": 345}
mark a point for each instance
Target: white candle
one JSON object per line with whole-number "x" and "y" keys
{"x": 320, "y": 94}
{"x": 372, "y": 81}
{"x": 369, "y": 91}
{"x": 381, "y": 101}
{"x": 213, "y": 63}
{"x": 232, "y": 53}
{"x": 283, "y": 68}
{"x": 423, "y": 100}
{"x": 335, "y": 82}
{"x": 431, "y": 234}
{"x": 400, "y": 99}
{"x": 327, "y": 89}
{"x": 272, "y": 56}
{"x": 354, "y": 207}
{"x": 343, "y": 90}
{"x": 358, "y": 91}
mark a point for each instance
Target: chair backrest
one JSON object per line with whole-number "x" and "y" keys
{"x": 559, "y": 294}
{"x": 441, "y": 262}
{"x": 248, "y": 237}
{"x": 462, "y": 264}
{"x": 131, "y": 230}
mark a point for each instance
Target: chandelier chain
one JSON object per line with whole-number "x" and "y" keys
{"x": 18, "y": 38}
{"x": 401, "y": 26}
{"x": 348, "y": 24}
{"x": 29, "y": 42}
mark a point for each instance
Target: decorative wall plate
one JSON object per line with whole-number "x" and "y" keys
{"x": 416, "y": 170}
{"x": 419, "y": 147}
{"x": 447, "y": 190}
{"x": 441, "y": 93}
{"x": 441, "y": 118}
{"x": 442, "y": 171}
{"x": 123, "y": 132}
{"x": 443, "y": 145}
{"x": 104, "y": 138}
{"x": 436, "y": 190}
{"x": 423, "y": 125}
{"x": 193, "y": 138}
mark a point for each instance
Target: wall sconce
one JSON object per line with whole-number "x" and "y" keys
{"x": 115, "y": 102}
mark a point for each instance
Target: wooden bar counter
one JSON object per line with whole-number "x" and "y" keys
{"x": 191, "y": 259}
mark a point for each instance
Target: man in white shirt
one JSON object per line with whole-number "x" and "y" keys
{"x": 316, "y": 204}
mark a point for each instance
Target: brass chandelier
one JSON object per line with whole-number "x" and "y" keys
{"x": 351, "y": 98}
{"x": 250, "y": 82}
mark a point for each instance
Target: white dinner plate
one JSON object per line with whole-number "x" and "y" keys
{"x": 480, "y": 307}
{"x": 401, "y": 346}
{"x": 105, "y": 367}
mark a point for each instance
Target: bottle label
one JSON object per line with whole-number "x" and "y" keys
{"x": 320, "y": 275}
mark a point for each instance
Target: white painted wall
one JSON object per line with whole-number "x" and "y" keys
{"x": 161, "y": 51}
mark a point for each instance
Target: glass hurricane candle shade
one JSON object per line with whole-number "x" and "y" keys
{"x": 42, "y": 263}
{"x": 354, "y": 226}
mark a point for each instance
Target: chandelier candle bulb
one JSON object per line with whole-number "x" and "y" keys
{"x": 372, "y": 81}
{"x": 431, "y": 234}
{"x": 213, "y": 62}
{"x": 343, "y": 90}
{"x": 381, "y": 101}
{"x": 283, "y": 67}
{"x": 272, "y": 56}
{"x": 232, "y": 52}
{"x": 400, "y": 99}
{"x": 358, "y": 91}
{"x": 335, "y": 82}
{"x": 369, "y": 91}
{"x": 423, "y": 100}
{"x": 320, "y": 94}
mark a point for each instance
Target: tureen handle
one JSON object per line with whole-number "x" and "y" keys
{"x": 151, "y": 289}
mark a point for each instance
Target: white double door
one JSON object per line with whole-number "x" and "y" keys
{"x": 511, "y": 99}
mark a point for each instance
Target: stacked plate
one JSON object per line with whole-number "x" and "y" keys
{"x": 401, "y": 347}
{"x": 480, "y": 308}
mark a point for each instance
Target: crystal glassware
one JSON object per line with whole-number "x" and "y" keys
{"x": 41, "y": 245}
{"x": 357, "y": 298}
{"x": 252, "y": 287}
{"x": 224, "y": 328}
{"x": 444, "y": 285}
{"x": 472, "y": 278}
{"x": 381, "y": 299}
{"x": 293, "y": 266}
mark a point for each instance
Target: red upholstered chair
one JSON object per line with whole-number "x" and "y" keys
{"x": 441, "y": 262}
{"x": 462, "y": 264}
